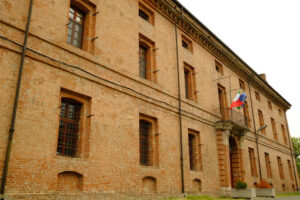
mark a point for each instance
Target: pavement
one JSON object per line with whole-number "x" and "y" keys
{"x": 280, "y": 198}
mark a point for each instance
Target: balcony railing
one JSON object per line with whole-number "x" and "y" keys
{"x": 236, "y": 117}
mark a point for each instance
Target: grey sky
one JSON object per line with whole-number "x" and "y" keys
{"x": 266, "y": 35}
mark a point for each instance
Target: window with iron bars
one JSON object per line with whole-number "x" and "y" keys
{"x": 145, "y": 139}
{"x": 68, "y": 127}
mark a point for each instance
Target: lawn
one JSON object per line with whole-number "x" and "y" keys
{"x": 200, "y": 198}
{"x": 288, "y": 194}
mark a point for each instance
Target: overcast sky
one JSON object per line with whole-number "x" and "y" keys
{"x": 266, "y": 35}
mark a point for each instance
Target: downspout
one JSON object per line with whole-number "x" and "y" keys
{"x": 180, "y": 115}
{"x": 13, "y": 119}
{"x": 295, "y": 176}
{"x": 256, "y": 136}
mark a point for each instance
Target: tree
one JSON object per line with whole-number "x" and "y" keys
{"x": 296, "y": 146}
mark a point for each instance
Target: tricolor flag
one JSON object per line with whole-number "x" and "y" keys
{"x": 238, "y": 101}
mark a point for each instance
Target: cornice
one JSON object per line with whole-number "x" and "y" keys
{"x": 188, "y": 23}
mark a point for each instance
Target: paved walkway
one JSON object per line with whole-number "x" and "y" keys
{"x": 280, "y": 198}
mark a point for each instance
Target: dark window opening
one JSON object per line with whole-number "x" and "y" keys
{"x": 143, "y": 61}
{"x": 75, "y": 27}
{"x": 185, "y": 44}
{"x": 144, "y": 15}
{"x": 187, "y": 83}
{"x": 145, "y": 128}
{"x": 68, "y": 127}
{"x": 192, "y": 153}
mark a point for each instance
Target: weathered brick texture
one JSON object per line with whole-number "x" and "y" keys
{"x": 105, "y": 78}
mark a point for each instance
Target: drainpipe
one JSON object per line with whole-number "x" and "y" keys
{"x": 13, "y": 119}
{"x": 256, "y": 136}
{"x": 292, "y": 156}
{"x": 180, "y": 114}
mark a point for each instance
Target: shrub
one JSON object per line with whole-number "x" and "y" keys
{"x": 241, "y": 185}
{"x": 263, "y": 184}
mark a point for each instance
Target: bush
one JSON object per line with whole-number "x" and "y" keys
{"x": 263, "y": 184}
{"x": 241, "y": 185}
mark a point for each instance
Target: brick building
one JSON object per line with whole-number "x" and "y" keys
{"x": 128, "y": 98}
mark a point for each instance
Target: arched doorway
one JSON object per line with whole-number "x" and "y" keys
{"x": 235, "y": 167}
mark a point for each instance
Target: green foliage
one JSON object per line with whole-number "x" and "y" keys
{"x": 296, "y": 146}
{"x": 288, "y": 194}
{"x": 241, "y": 185}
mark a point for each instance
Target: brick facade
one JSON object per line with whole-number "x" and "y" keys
{"x": 104, "y": 77}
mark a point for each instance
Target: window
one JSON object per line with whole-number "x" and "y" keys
{"x": 148, "y": 140}
{"x": 268, "y": 165}
{"x": 274, "y": 129}
{"x": 147, "y": 59}
{"x": 261, "y": 121}
{"x": 242, "y": 84}
{"x": 280, "y": 168}
{"x": 284, "y": 134}
{"x": 280, "y": 112}
{"x": 290, "y": 170}
{"x": 252, "y": 162}
{"x": 68, "y": 127}
{"x": 74, "y": 124}
{"x": 190, "y": 82}
{"x": 270, "y": 105}
{"x": 194, "y": 150}
{"x": 75, "y": 26}
{"x": 146, "y": 13}
{"x": 81, "y": 25}
{"x": 257, "y": 96}
{"x": 223, "y": 102}
{"x": 186, "y": 43}
{"x": 219, "y": 67}
{"x": 246, "y": 114}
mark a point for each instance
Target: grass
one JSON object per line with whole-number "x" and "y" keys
{"x": 288, "y": 194}
{"x": 200, "y": 198}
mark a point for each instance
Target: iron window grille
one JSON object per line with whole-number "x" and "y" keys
{"x": 68, "y": 127}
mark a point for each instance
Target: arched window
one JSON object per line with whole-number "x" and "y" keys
{"x": 68, "y": 127}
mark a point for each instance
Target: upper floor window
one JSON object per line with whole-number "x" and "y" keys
{"x": 242, "y": 84}
{"x": 147, "y": 59}
{"x": 246, "y": 114}
{"x": 280, "y": 112}
{"x": 219, "y": 67}
{"x": 68, "y": 127}
{"x": 81, "y": 25}
{"x": 257, "y": 96}
{"x": 146, "y": 13}
{"x": 270, "y": 105}
{"x": 148, "y": 141}
{"x": 194, "y": 150}
{"x": 284, "y": 134}
{"x": 223, "y": 102}
{"x": 75, "y": 26}
{"x": 190, "y": 83}
{"x": 274, "y": 129}
{"x": 186, "y": 43}
{"x": 261, "y": 121}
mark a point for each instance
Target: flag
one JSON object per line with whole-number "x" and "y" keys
{"x": 238, "y": 101}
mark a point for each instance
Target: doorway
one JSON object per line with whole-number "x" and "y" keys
{"x": 235, "y": 167}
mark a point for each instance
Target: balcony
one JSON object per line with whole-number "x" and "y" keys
{"x": 234, "y": 120}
